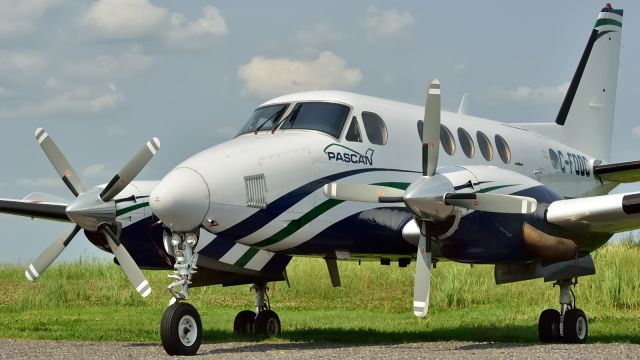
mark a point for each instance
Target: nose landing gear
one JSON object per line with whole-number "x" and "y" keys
{"x": 569, "y": 324}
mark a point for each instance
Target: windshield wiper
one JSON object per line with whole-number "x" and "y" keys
{"x": 292, "y": 117}
{"x": 273, "y": 116}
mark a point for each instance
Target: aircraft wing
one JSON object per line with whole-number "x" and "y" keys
{"x": 607, "y": 213}
{"x": 35, "y": 209}
{"x": 626, "y": 172}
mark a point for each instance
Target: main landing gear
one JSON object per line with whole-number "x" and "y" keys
{"x": 262, "y": 322}
{"x": 569, "y": 324}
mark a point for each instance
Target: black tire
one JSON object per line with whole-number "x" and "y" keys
{"x": 244, "y": 323}
{"x": 549, "y": 326}
{"x": 268, "y": 324}
{"x": 576, "y": 327}
{"x": 177, "y": 328}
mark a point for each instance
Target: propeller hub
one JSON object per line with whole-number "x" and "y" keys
{"x": 90, "y": 212}
{"x": 181, "y": 199}
{"x": 424, "y": 197}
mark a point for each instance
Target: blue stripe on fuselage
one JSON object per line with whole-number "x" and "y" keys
{"x": 276, "y": 208}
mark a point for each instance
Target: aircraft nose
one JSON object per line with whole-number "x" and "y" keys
{"x": 181, "y": 199}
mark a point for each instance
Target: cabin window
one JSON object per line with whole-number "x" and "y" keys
{"x": 446, "y": 138}
{"x": 354, "y": 134}
{"x": 485, "y": 145}
{"x": 328, "y": 118}
{"x": 447, "y": 141}
{"x": 466, "y": 142}
{"x": 555, "y": 160}
{"x": 264, "y": 118}
{"x": 375, "y": 128}
{"x": 503, "y": 149}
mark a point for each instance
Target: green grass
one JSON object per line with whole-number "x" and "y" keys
{"x": 91, "y": 300}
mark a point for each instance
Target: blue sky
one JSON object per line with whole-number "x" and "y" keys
{"x": 103, "y": 76}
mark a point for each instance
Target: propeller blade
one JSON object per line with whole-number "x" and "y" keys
{"x": 422, "y": 282}
{"x": 498, "y": 203}
{"x": 130, "y": 170}
{"x": 135, "y": 275}
{"x": 46, "y": 258}
{"x": 431, "y": 130}
{"x": 59, "y": 162}
{"x": 363, "y": 193}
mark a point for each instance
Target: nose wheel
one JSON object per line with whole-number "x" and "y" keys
{"x": 568, "y": 325}
{"x": 181, "y": 329}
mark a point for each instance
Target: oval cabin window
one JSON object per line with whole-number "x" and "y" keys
{"x": 503, "y": 149}
{"x": 485, "y": 145}
{"x": 466, "y": 142}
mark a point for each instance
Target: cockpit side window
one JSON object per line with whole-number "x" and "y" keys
{"x": 354, "y": 134}
{"x": 264, "y": 118}
{"x": 326, "y": 117}
{"x": 375, "y": 128}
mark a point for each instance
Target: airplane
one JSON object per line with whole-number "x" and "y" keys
{"x": 343, "y": 176}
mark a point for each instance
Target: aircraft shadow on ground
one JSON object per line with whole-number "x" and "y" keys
{"x": 490, "y": 336}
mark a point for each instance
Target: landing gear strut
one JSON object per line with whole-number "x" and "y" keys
{"x": 262, "y": 322}
{"x": 569, "y": 324}
{"x": 181, "y": 327}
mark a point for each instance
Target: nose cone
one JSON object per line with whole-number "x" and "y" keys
{"x": 181, "y": 199}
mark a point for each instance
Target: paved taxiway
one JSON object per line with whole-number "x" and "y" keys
{"x": 52, "y": 350}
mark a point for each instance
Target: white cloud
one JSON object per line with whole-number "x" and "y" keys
{"x": 264, "y": 76}
{"x": 386, "y": 23}
{"x": 96, "y": 171}
{"x": 109, "y": 68}
{"x": 198, "y": 33}
{"x": 21, "y": 16}
{"x": 80, "y": 98}
{"x": 635, "y": 132}
{"x": 538, "y": 95}
{"x": 124, "y": 19}
{"x": 40, "y": 183}
{"x": 136, "y": 19}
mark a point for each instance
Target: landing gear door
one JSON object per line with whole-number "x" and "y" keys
{"x": 286, "y": 174}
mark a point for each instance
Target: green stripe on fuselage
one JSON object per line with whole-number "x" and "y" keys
{"x": 312, "y": 214}
{"x": 131, "y": 208}
{"x": 246, "y": 257}
{"x": 491, "y": 188}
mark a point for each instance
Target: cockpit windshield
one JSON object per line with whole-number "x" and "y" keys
{"x": 326, "y": 117}
{"x": 264, "y": 118}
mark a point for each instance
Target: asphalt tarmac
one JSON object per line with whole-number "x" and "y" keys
{"x": 52, "y": 350}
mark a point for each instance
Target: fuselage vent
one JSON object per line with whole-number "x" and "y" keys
{"x": 256, "y": 187}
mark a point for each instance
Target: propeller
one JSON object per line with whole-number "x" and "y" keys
{"x": 94, "y": 210}
{"x": 430, "y": 198}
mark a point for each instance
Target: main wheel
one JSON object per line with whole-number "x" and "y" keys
{"x": 244, "y": 323}
{"x": 181, "y": 329}
{"x": 575, "y": 326}
{"x": 549, "y": 326}
{"x": 268, "y": 323}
